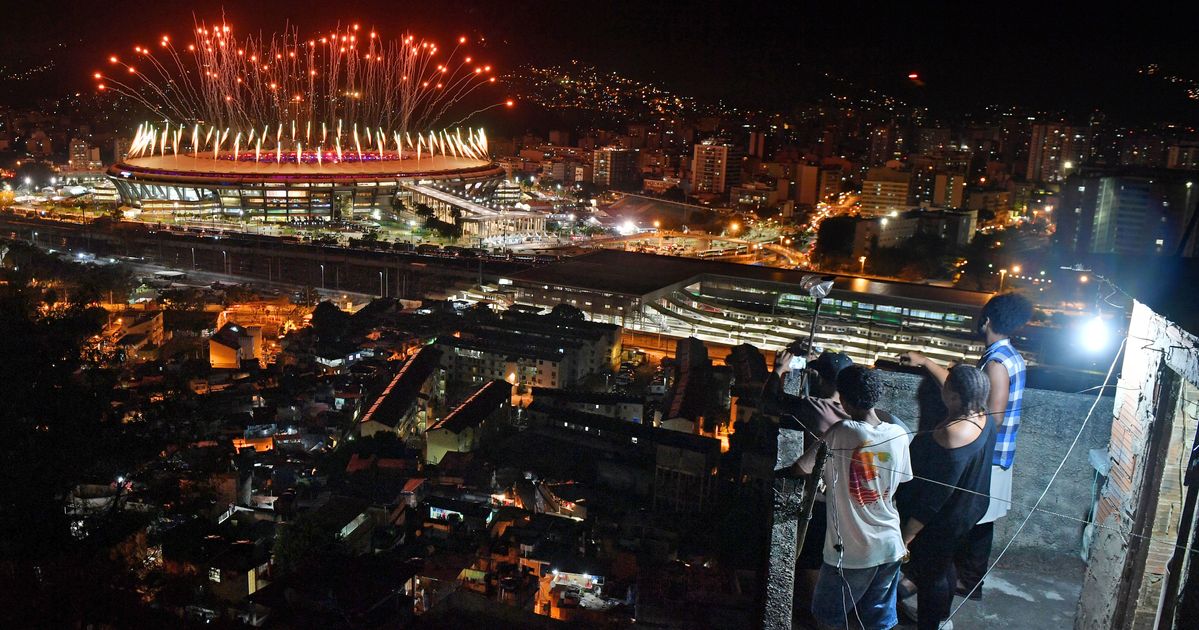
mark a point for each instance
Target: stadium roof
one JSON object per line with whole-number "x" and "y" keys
{"x": 189, "y": 167}
{"x": 639, "y": 274}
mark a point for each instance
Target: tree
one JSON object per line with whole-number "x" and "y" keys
{"x": 423, "y": 210}
{"x": 567, "y": 312}
{"x": 300, "y": 540}
{"x": 328, "y": 321}
{"x": 834, "y": 240}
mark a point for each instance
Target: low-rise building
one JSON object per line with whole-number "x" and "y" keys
{"x": 624, "y": 407}
{"x": 233, "y": 344}
{"x": 531, "y": 350}
{"x": 411, "y": 399}
{"x": 461, "y": 429}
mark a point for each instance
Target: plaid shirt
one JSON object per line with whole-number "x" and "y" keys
{"x": 1004, "y": 354}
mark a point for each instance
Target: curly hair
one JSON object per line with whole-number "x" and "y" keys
{"x": 1007, "y": 312}
{"x": 860, "y": 386}
{"x": 971, "y": 385}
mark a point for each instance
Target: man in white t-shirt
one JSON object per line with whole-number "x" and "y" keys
{"x": 863, "y": 543}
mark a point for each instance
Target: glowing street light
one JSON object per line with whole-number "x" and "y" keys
{"x": 1002, "y": 275}
{"x": 862, "y": 264}
{"x": 1094, "y": 335}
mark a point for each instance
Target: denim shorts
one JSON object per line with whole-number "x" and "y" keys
{"x": 843, "y": 596}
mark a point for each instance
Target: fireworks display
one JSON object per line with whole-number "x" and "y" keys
{"x": 348, "y": 95}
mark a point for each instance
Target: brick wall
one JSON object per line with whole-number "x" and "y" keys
{"x": 1125, "y": 574}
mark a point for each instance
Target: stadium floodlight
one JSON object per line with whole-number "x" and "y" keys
{"x": 818, "y": 287}
{"x": 1095, "y": 335}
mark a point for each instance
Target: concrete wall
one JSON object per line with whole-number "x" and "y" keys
{"x": 1048, "y": 424}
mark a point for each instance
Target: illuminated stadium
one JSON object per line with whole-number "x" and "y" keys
{"x": 329, "y": 126}
{"x": 273, "y": 191}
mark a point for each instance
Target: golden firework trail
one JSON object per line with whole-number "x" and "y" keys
{"x": 236, "y": 84}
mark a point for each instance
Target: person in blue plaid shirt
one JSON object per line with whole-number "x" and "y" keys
{"x": 1002, "y": 316}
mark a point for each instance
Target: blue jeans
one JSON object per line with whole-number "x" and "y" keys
{"x": 843, "y": 596}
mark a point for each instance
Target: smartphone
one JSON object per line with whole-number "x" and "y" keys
{"x": 797, "y": 363}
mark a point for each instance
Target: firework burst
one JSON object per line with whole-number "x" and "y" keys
{"x": 344, "y": 95}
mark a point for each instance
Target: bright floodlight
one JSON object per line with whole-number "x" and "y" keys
{"x": 816, "y": 286}
{"x": 627, "y": 228}
{"x": 1095, "y": 335}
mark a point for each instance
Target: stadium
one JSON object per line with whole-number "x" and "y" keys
{"x": 191, "y": 184}
{"x": 333, "y": 126}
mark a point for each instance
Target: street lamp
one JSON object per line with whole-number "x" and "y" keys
{"x": 322, "y": 275}
{"x": 224, "y": 262}
{"x": 1002, "y": 275}
{"x": 380, "y": 284}
{"x": 862, "y": 263}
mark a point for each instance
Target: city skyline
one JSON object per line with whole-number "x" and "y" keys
{"x": 429, "y": 315}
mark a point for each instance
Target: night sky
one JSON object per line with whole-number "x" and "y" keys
{"x": 1046, "y": 55}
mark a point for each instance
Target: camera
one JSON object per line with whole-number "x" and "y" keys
{"x": 799, "y": 351}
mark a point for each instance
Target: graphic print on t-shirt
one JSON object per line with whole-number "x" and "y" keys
{"x": 862, "y": 471}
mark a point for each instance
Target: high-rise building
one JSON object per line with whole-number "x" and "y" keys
{"x": 805, "y": 188}
{"x": 757, "y": 144}
{"x": 715, "y": 168}
{"x": 120, "y": 149}
{"x": 922, "y": 181}
{"x": 932, "y": 139}
{"x": 949, "y": 191}
{"x": 78, "y": 153}
{"x": 1134, "y": 213}
{"x": 832, "y": 181}
{"x": 882, "y": 144}
{"x": 1183, "y": 154}
{"x": 559, "y": 137}
{"x": 615, "y": 168}
{"x": 1055, "y": 149}
{"x": 83, "y": 156}
{"x": 884, "y": 191}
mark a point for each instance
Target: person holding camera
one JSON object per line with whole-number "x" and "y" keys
{"x": 863, "y": 545}
{"x": 815, "y": 413}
